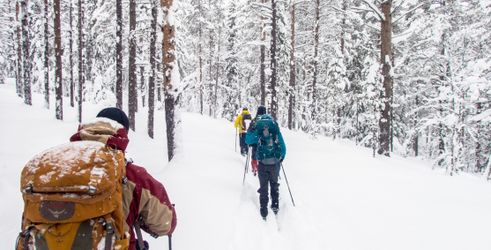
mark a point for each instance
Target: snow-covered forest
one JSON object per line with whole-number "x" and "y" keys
{"x": 406, "y": 77}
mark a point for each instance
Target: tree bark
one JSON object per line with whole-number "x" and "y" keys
{"x": 217, "y": 74}
{"x": 46, "y": 54}
{"x": 59, "y": 62}
{"x": 200, "y": 60}
{"x": 315, "y": 62}
{"x": 291, "y": 90}
{"x": 81, "y": 75}
{"x": 386, "y": 60}
{"x": 142, "y": 84}
{"x": 72, "y": 82}
{"x": 132, "y": 94}
{"x": 18, "y": 82}
{"x": 153, "y": 69}
{"x": 119, "y": 54}
{"x": 262, "y": 69}
{"x": 168, "y": 59}
{"x": 274, "y": 61}
{"x": 26, "y": 53}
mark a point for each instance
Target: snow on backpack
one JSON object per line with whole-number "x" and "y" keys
{"x": 73, "y": 199}
{"x": 268, "y": 147}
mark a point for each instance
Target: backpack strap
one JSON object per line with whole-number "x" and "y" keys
{"x": 109, "y": 234}
{"x": 84, "y": 235}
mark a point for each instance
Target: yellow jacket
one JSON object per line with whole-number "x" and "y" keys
{"x": 239, "y": 121}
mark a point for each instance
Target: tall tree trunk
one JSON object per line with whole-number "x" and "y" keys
{"x": 211, "y": 53}
{"x": 274, "y": 60}
{"x": 479, "y": 167}
{"x": 168, "y": 58}
{"x": 343, "y": 26}
{"x": 119, "y": 54}
{"x": 200, "y": 59}
{"x": 142, "y": 84}
{"x": 19, "y": 78}
{"x": 88, "y": 52}
{"x": 291, "y": 90}
{"x": 416, "y": 136}
{"x": 26, "y": 53}
{"x": 132, "y": 95}
{"x": 58, "y": 52}
{"x": 217, "y": 74}
{"x": 386, "y": 60}
{"x": 46, "y": 54}
{"x": 153, "y": 69}
{"x": 316, "y": 59}
{"x": 81, "y": 75}
{"x": 262, "y": 69}
{"x": 72, "y": 82}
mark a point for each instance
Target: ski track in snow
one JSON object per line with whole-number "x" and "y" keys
{"x": 283, "y": 231}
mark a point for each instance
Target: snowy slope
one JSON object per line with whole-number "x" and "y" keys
{"x": 345, "y": 199}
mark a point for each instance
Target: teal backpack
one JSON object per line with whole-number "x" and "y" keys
{"x": 268, "y": 146}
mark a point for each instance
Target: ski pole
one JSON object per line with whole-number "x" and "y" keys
{"x": 170, "y": 241}
{"x": 235, "y": 143}
{"x": 287, "y": 184}
{"x": 246, "y": 165}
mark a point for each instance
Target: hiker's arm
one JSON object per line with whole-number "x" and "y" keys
{"x": 237, "y": 121}
{"x": 251, "y": 137}
{"x": 154, "y": 206}
{"x": 282, "y": 145}
{"x": 157, "y": 213}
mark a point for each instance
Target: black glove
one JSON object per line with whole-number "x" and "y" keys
{"x": 281, "y": 160}
{"x": 145, "y": 247}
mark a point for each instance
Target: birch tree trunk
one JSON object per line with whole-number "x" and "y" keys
{"x": 168, "y": 59}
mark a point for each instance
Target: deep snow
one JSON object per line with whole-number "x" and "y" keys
{"x": 345, "y": 199}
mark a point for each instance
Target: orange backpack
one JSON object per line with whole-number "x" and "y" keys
{"x": 73, "y": 199}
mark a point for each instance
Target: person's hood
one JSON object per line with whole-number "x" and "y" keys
{"x": 103, "y": 130}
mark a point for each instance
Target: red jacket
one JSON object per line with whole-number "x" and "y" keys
{"x": 143, "y": 196}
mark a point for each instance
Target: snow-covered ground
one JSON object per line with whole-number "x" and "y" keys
{"x": 345, "y": 199}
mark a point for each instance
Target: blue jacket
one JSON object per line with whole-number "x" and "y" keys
{"x": 252, "y": 138}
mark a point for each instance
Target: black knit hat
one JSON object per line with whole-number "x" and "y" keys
{"x": 261, "y": 110}
{"x": 116, "y": 114}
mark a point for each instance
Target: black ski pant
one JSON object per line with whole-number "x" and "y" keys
{"x": 268, "y": 178}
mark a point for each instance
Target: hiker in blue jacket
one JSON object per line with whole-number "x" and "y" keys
{"x": 270, "y": 152}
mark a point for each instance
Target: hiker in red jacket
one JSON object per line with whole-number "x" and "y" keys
{"x": 145, "y": 201}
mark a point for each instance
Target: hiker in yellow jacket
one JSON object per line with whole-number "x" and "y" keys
{"x": 240, "y": 125}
